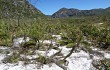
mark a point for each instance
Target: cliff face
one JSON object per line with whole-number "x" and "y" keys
{"x": 64, "y": 12}
{"x": 17, "y": 8}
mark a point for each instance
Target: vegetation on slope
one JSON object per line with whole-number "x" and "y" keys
{"x": 18, "y": 9}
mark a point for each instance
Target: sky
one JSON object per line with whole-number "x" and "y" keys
{"x": 48, "y": 7}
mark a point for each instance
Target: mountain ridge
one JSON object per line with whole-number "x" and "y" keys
{"x": 65, "y": 12}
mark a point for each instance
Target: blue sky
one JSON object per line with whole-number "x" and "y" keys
{"x": 49, "y": 7}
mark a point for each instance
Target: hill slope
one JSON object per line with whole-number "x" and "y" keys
{"x": 64, "y": 12}
{"x": 17, "y": 8}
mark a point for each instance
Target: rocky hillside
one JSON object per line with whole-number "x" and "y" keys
{"x": 17, "y": 8}
{"x": 64, "y": 12}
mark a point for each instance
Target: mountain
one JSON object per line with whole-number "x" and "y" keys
{"x": 108, "y": 8}
{"x": 64, "y": 12}
{"x": 18, "y": 8}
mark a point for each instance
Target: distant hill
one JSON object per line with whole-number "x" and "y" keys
{"x": 64, "y": 12}
{"x": 18, "y": 8}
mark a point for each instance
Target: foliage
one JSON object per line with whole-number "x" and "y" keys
{"x": 14, "y": 58}
{"x": 69, "y": 28}
{"x": 106, "y": 63}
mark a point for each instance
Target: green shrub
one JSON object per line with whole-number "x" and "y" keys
{"x": 70, "y": 45}
{"x": 14, "y": 58}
